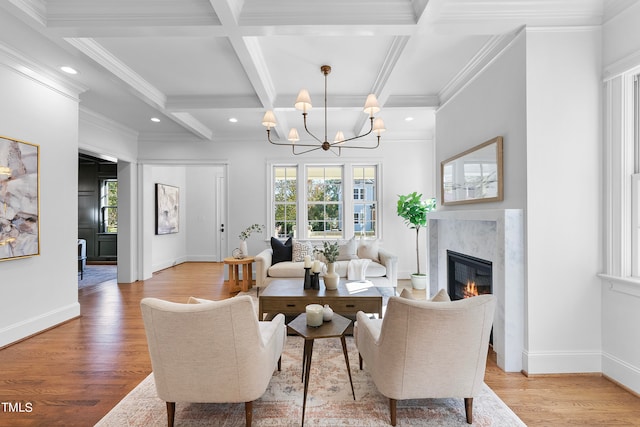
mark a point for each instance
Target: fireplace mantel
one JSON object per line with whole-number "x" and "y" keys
{"x": 496, "y": 235}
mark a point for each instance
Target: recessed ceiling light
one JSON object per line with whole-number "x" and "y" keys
{"x": 408, "y": 119}
{"x": 69, "y": 70}
{"x": 233, "y": 120}
{"x": 155, "y": 119}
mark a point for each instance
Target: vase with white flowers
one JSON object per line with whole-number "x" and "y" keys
{"x": 330, "y": 252}
{"x": 244, "y": 235}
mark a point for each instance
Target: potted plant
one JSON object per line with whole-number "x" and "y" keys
{"x": 414, "y": 212}
{"x": 244, "y": 235}
{"x": 330, "y": 252}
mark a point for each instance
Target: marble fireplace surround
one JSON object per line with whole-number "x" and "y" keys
{"x": 496, "y": 236}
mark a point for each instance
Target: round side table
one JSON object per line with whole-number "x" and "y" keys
{"x": 234, "y": 273}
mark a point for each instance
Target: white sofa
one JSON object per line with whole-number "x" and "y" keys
{"x": 381, "y": 271}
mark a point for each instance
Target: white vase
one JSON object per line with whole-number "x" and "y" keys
{"x": 243, "y": 248}
{"x": 327, "y": 313}
{"x": 331, "y": 278}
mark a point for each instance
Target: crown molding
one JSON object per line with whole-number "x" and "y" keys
{"x": 20, "y": 63}
{"x": 35, "y": 9}
{"x": 484, "y": 57}
{"x": 95, "y": 51}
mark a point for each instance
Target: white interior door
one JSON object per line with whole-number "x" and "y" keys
{"x": 221, "y": 215}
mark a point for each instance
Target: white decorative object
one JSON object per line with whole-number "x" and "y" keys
{"x": 243, "y": 248}
{"x": 327, "y": 313}
{"x": 315, "y": 314}
{"x": 331, "y": 278}
{"x": 237, "y": 253}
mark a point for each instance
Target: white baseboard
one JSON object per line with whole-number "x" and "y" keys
{"x": 29, "y": 327}
{"x": 168, "y": 263}
{"x": 621, "y": 372}
{"x": 200, "y": 258}
{"x": 562, "y": 362}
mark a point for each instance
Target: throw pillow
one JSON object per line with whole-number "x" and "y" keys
{"x": 368, "y": 249}
{"x": 441, "y": 296}
{"x": 300, "y": 250}
{"x": 406, "y": 293}
{"x": 347, "y": 250}
{"x": 281, "y": 251}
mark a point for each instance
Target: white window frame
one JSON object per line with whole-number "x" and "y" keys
{"x": 348, "y": 229}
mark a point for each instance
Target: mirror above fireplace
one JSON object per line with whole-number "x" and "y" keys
{"x": 474, "y": 175}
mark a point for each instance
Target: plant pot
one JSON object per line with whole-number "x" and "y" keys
{"x": 331, "y": 278}
{"x": 419, "y": 281}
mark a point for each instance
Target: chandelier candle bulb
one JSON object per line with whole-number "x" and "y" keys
{"x": 315, "y": 315}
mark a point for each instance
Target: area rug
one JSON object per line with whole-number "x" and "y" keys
{"x": 329, "y": 402}
{"x": 94, "y": 274}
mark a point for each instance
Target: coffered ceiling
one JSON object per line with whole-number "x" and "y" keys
{"x": 197, "y": 63}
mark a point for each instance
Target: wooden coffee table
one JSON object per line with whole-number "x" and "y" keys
{"x": 287, "y": 296}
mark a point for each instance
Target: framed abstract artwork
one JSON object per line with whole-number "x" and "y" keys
{"x": 473, "y": 176}
{"x": 19, "y": 199}
{"x": 167, "y": 209}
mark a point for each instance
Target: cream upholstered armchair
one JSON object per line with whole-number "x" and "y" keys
{"x": 427, "y": 349}
{"x": 211, "y": 352}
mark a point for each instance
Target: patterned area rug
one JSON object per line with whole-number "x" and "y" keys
{"x": 329, "y": 402}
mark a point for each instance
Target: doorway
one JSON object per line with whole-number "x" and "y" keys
{"x": 97, "y": 220}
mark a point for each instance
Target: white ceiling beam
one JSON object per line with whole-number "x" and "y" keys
{"x": 142, "y": 88}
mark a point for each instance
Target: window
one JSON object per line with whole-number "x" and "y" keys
{"x": 324, "y": 201}
{"x": 635, "y": 182}
{"x": 285, "y": 193}
{"x": 308, "y": 201}
{"x": 364, "y": 200}
{"x": 109, "y": 206}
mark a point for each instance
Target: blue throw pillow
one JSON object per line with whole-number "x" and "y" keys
{"x": 281, "y": 251}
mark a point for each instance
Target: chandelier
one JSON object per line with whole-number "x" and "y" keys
{"x": 303, "y": 102}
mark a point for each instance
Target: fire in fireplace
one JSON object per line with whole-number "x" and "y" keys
{"x": 468, "y": 276}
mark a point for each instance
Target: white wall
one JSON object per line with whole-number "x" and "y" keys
{"x": 166, "y": 250}
{"x": 542, "y": 95}
{"x": 564, "y": 195}
{"x": 42, "y": 291}
{"x": 491, "y": 105}
{"x": 407, "y": 167}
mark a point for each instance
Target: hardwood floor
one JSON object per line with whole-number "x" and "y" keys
{"x": 74, "y": 374}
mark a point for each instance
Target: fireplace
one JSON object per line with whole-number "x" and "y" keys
{"x": 468, "y": 276}
{"x": 497, "y": 236}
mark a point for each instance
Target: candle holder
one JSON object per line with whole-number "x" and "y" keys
{"x": 307, "y": 278}
{"x": 315, "y": 281}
